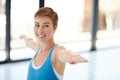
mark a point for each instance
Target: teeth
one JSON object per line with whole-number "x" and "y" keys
{"x": 41, "y": 36}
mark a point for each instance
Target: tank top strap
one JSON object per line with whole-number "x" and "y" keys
{"x": 36, "y": 52}
{"x": 52, "y": 49}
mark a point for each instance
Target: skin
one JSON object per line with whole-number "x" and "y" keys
{"x": 44, "y": 33}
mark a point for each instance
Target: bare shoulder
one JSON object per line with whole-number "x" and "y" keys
{"x": 58, "y": 65}
{"x": 59, "y": 47}
{"x": 56, "y": 50}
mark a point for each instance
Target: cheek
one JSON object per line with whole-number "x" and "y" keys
{"x": 49, "y": 32}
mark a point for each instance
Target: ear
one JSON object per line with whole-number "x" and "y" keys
{"x": 55, "y": 27}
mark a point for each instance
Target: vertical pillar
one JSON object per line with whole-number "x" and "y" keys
{"x": 94, "y": 24}
{"x": 8, "y": 33}
{"x": 41, "y": 3}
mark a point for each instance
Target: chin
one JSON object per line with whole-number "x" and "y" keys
{"x": 41, "y": 41}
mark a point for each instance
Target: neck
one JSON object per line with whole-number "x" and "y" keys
{"x": 47, "y": 46}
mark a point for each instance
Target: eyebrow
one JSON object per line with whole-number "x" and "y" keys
{"x": 43, "y": 23}
{"x": 46, "y": 23}
{"x": 36, "y": 23}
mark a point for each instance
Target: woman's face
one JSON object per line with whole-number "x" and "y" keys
{"x": 43, "y": 29}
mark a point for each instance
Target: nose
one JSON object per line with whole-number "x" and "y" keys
{"x": 40, "y": 30}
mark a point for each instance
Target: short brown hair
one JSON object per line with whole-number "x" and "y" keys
{"x": 47, "y": 12}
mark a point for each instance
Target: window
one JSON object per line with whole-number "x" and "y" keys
{"x": 22, "y": 18}
{"x": 109, "y": 30}
{"x": 72, "y": 20}
{"x": 2, "y": 30}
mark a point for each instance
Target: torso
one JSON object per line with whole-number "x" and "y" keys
{"x": 45, "y": 70}
{"x": 41, "y": 57}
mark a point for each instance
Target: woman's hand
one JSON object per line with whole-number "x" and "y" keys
{"x": 77, "y": 59}
{"x": 70, "y": 57}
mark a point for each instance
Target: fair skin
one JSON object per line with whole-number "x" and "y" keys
{"x": 44, "y": 32}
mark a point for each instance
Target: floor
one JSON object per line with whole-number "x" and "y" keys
{"x": 103, "y": 64}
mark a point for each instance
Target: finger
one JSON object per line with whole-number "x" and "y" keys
{"x": 78, "y": 59}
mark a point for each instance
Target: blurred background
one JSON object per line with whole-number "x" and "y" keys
{"x": 91, "y": 28}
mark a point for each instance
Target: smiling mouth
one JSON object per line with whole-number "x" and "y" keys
{"x": 41, "y": 36}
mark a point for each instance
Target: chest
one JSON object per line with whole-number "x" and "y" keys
{"x": 40, "y": 58}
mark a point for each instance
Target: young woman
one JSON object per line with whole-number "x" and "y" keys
{"x": 50, "y": 58}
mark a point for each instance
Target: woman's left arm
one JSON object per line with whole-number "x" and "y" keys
{"x": 67, "y": 56}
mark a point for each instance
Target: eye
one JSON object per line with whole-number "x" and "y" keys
{"x": 37, "y": 25}
{"x": 46, "y": 25}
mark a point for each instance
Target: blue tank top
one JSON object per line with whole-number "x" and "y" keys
{"x": 45, "y": 72}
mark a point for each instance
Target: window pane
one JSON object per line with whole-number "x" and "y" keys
{"x": 2, "y": 30}
{"x": 109, "y": 31}
{"x": 22, "y": 14}
{"x": 72, "y": 20}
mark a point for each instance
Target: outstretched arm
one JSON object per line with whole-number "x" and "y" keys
{"x": 29, "y": 42}
{"x": 66, "y": 56}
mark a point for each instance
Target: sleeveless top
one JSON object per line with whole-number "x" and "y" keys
{"x": 45, "y": 72}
